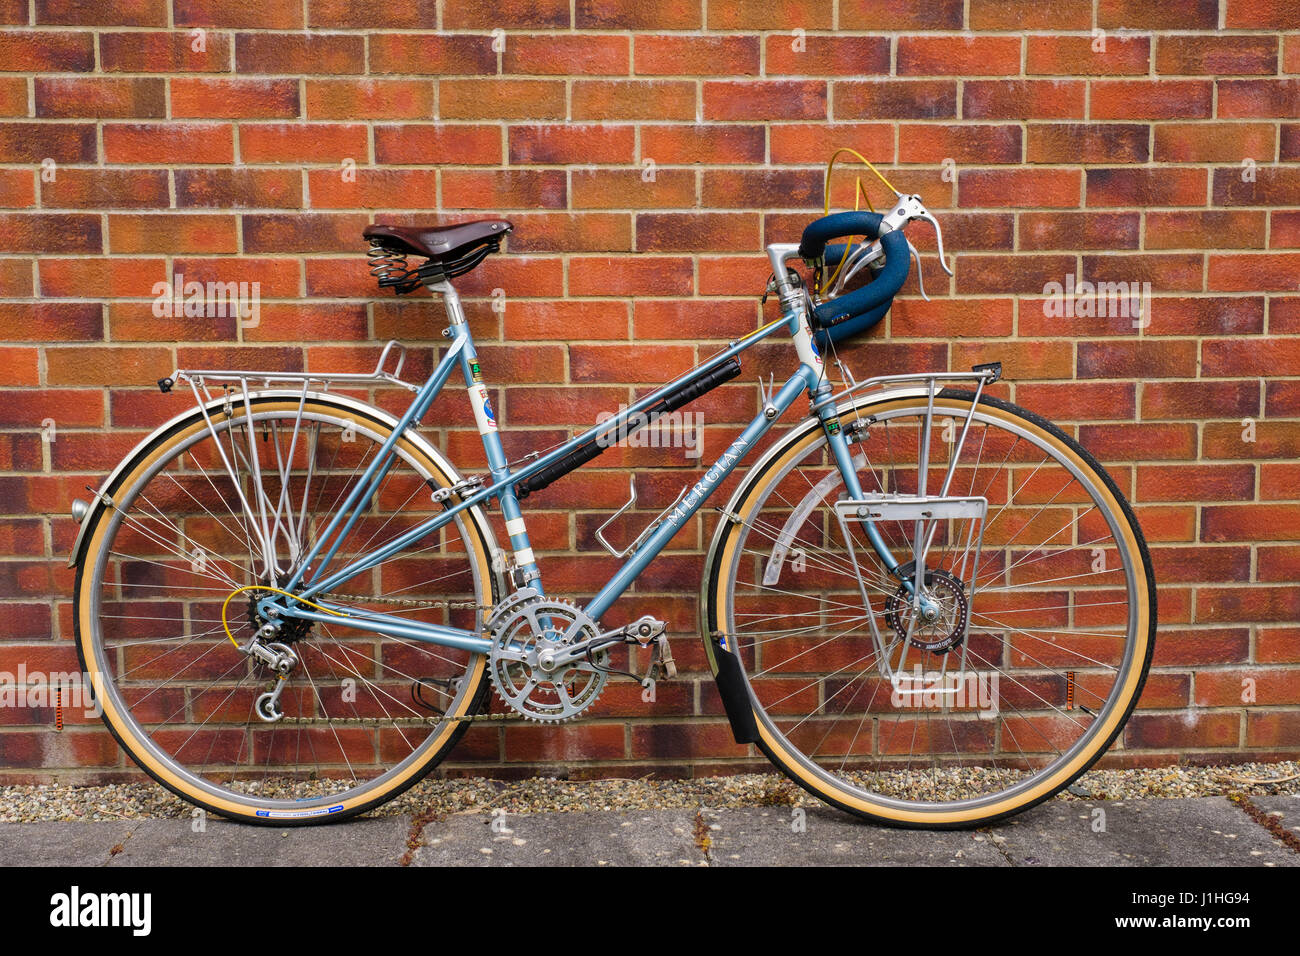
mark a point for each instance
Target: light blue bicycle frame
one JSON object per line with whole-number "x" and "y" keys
{"x": 461, "y": 353}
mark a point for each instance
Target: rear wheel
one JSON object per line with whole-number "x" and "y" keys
{"x": 1022, "y": 672}
{"x": 364, "y": 716}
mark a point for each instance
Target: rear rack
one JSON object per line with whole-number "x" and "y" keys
{"x": 201, "y": 380}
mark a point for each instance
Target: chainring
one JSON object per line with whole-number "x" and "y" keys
{"x": 521, "y": 640}
{"x": 943, "y": 634}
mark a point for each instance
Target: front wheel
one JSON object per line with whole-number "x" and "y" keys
{"x": 1015, "y": 674}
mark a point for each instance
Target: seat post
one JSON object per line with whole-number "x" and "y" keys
{"x": 450, "y": 301}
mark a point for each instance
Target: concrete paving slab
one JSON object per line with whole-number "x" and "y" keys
{"x": 1285, "y": 808}
{"x": 377, "y": 842}
{"x": 824, "y": 837}
{"x": 1201, "y": 831}
{"x": 61, "y": 843}
{"x": 642, "y": 838}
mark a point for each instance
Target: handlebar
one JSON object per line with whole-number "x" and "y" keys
{"x": 860, "y": 309}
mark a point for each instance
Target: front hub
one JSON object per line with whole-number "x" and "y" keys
{"x": 943, "y": 616}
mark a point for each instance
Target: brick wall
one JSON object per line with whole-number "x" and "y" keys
{"x": 645, "y": 152}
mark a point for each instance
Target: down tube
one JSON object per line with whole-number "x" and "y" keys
{"x": 628, "y": 573}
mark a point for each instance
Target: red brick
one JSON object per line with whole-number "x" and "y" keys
{"x": 632, "y": 189}
{"x": 234, "y": 99}
{"x": 349, "y": 14}
{"x": 304, "y": 232}
{"x": 1058, "y": 15}
{"x": 1222, "y": 358}
{"x": 238, "y": 188}
{"x": 642, "y": 275}
{"x": 901, "y": 15}
{"x": 421, "y": 144}
{"x": 1136, "y": 359}
{"x": 1031, "y": 188}
{"x": 129, "y": 13}
{"x": 674, "y": 55}
{"x": 718, "y": 144}
{"x": 562, "y": 54}
{"x": 822, "y": 56}
{"x": 633, "y": 15}
{"x": 1001, "y": 275}
{"x": 1151, "y": 99}
{"x": 373, "y": 99}
{"x": 766, "y": 189}
{"x": 789, "y": 99}
{"x": 1216, "y": 55}
{"x": 1079, "y": 56}
{"x": 1023, "y": 99}
{"x": 502, "y": 99}
{"x": 48, "y": 52}
{"x": 1259, "y": 14}
{"x": 556, "y": 144}
{"x": 1184, "y": 400}
{"x": 571, "y": 232}
{"x": 241, "y": 14}
{"x": 1213, "y": 142}
{"x": 18, "y": 188}
{"x": 100, "y": 97}
{"x": 46, "y": 233}
{"x": 1224, "y": 229}
{"x": 174, "y": 52}
{"x": 894, "y": 99}
{"x": 1262, "y": 98}
{"x": 1246, "y": 272}
{"x": 508, "y": 189}
{"x": 305, "y": 142}
{"x": 1163, "y": 186}
{"x": 169, "y": 142}
{"x": 1172, "y": 15}
{"x": 106, "y": 189}
{"x": 1267, "y": 186}
{"x": 172, "y": 233}
{"x": 1079, "y": 230}
{"x": 1088, "y": 143}
{"x": 958, "y": 56}
{"x": 1250, "y": 522}
{"x": 967, "y": 144}
{"x": 696, "y": 232}
{"x": 786, "y": 15}
{"x": 306, "y": 53}
{"x": 506, "y": 14}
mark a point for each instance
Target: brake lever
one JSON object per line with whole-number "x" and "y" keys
{"x": 920, "y": 281}
{"x": 938, "y": 236}
{"x": 908, "y": 210}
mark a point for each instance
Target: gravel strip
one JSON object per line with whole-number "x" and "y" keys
{"x": 134, "y": 801}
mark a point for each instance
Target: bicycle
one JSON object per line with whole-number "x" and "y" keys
{"x": 924, "y": 604}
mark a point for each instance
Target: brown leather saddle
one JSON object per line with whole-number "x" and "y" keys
{"x": 450, "y": 250}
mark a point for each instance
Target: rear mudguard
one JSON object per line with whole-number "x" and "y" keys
{"x": 103, "y": 497}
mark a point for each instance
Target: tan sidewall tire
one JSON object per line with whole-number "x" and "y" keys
{"x": 788, "y": 759}
{"x": 162, "y": 771}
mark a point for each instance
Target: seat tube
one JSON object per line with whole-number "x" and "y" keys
{"x": 485, "y": 419}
